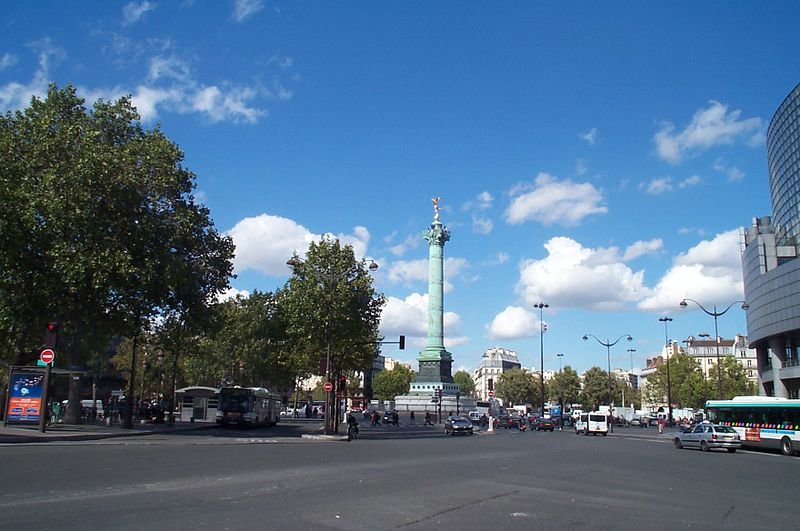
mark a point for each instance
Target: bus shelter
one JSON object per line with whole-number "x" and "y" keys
{"x": 198, "y": 403}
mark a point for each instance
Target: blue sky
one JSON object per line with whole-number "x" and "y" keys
{"x": 599, "y": 157}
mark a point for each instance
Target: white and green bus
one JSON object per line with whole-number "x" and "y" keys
{"x": 248, "y": 406}
{"x": 761, "y": 421}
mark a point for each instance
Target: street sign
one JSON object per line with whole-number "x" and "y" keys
{"x": 491, "y": 394}
{"x": 47, "y": 356}
{"x": 328, "y": 387}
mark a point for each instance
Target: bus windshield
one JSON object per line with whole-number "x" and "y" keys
{"x": 236, "y": 400}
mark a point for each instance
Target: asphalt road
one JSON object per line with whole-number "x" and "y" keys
{"x": 392, "y": 478}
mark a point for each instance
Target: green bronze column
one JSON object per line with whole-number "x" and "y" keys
{"x": 434, "y": 361}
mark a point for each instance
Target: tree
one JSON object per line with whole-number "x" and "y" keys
{"x": 518, "y": 386}
{"x": 686, "y": 383}
{"x": 565, "y": 387}
{"x": 99, "y": 230}
{"x": 465, "y": 383}
{"x": 734, "y": 379}
{"x": 331, "y": 312}
{"x": 388, "y": 384}
{"x": 595, "y": 388}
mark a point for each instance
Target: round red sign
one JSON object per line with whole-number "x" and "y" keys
{"x": 491, "y": 394}
{"x": 328, "y": 387}
{"x": 47, "y": 356}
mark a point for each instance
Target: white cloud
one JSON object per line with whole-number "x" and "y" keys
{"x": 573, "y": 276}
{"x": 233, "y": 293}
{"x": 709, "y": 127}
{"x": 590, "y": 136}
{"x": 133, "y": 12}
{"x": 659, "y": 185}
{"x": 242, "y": 9}
{"x": 482, "y": 225}
{"x": 514, "y": 322}
{"x": 410, "y": 242}
{"x": 641, "y": 248}
{"x": 710, "y": 272}
{"x": 409, "y": 317}
{"x": 549, "y": 201}
{"x": 694, "y": 180}
{"x": 17, "y": 95}
{"x": 264, "y": 243}
{"x": 409, "y": 272}
{"x": 7, "y": 60}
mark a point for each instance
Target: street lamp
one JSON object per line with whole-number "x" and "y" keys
{"x": 560, "y": 394}
{"x": 705, "y": 372}
{"x": 667, "y": 345}
{"x": 332, "y": 409}
{"x": 608, "y": 346}
{"x": 631, "y": 351}
{"x": 715, "y": 314}
{"x": 541, "y": 306}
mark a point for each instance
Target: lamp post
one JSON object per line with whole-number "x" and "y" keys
{"x": 331, "y": 408}
{"x": 631, "y": 351}
{"x": 715, "y": 314}
{"x": 667, "y": 346}
{"x": 705, "y": 373}
{"x": 541, "y": 306}
{"x": 608, "y": 346}
{"x": 560, "y": 393}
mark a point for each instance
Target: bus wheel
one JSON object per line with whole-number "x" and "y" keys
{"x": 786, "y": 446}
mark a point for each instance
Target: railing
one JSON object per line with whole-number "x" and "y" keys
{"x": 793, "y": 362}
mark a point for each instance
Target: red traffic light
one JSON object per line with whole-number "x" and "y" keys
{"x": 52, "y": 327}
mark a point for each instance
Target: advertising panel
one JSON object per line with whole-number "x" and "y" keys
{"x": 25, "y": 397}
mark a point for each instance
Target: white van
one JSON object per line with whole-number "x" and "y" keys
{"x": 594, "y": 423}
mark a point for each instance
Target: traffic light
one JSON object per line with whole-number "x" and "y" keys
{"x": 402, "y": 342}
{"x": 51, "y": 335}
{"x": 491, "y": 384}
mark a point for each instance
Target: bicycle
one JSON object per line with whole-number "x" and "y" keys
{"x": 352, "y": 432}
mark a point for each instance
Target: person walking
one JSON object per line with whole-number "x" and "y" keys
{"x": 411, "y": 419}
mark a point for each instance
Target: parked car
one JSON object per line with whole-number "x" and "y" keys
{"x": 543, "y": 424}
{"x": 475, "y": 416}
{"x": 707, "y": 436}
{"x": 457, "y": 424}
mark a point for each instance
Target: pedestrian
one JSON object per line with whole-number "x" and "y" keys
{"x": 411, "y": 419}
{"x": 428, "y": 419}
{"x": 315, "y": 412}
{"x": 484, "y": 420}
{"x": 376, "y": 419}
{"x": 395, "y": 418}
{"x": 661, "y": 423}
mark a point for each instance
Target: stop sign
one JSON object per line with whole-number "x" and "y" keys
{"x": 491, "y": 394}
{"x": 328, "y": 387}
{"x": 47, "y": 356}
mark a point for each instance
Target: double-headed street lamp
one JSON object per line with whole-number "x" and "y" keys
{"x": 667, "y": 345}
{"x": 541, "y": 306}
{"x": 608, "y": 346}
{"x": 715, "y": 314}
{"x": 330, "y": 405}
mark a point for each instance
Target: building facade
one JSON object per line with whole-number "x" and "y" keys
{"x": 494, "y": 362}
{"x": 770, "y": 266}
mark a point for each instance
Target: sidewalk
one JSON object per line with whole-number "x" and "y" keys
{"x": 87, "y": 432}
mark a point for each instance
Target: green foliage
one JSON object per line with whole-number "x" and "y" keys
{"x": 518, "y": 386}
{"x": 595, "y": 388}
{"x": 734, "y": 379}
{"x": 329, "y": 306}
{"x": 388, "y": 384}
{"x": 687, "y": 387}
{"x": 565, "y": 387}
{"x": 465, "y": 383}
{"x": 98, "y": 228}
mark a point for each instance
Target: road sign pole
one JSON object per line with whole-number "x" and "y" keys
{"x": 43, "y": 409}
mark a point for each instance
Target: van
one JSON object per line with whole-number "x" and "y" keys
{"x": 594, "y": 423}
{"x": 475, "y": 416}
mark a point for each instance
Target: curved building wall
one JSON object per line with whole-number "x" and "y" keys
{"x": 783, "y": 160}
{"x": 770, "y": 264}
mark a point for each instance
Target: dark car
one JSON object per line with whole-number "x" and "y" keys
{"x": 543, "y": 424}
{"x": 388, "y": 417}
{"x": 457, "y": 424}
{"x": 504, "y": 421}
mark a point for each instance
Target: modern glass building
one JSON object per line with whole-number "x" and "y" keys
{"x": 770, "y": 260}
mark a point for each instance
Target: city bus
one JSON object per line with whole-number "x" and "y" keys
{"x": 248, "y": 406}
{"x": 761, "y": 421}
